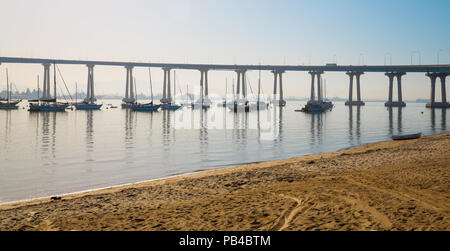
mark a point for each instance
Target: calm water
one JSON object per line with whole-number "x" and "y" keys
{"x": 56, "y": 153}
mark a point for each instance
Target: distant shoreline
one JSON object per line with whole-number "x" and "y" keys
{"x": 378, "y": 186}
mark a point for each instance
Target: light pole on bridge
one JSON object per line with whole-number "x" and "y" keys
{"x": 361, "y": 55}
{"x": 439, "y": 52}
{"x": 390, "y": 58}
{"x": 419, "y": 54}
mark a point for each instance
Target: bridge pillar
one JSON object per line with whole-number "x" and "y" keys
{"x": 241, "y": 77}
{"x": 46, "y": 85}
{"x": 204, "y": 89}
{"x": 167, "y": 95}
{"x": 129, "y": 90}
{"x": 278, "y": 100}
{"x": 350, "y": 101}
{"x": 400, "y": 102}
{"x": 90, "y": 98}
{"x": 319, "y": 87}
{"x": 313, "y": 93}
{"x": 433, "y": 103}
{"x": 238, "y": 90}
{"x": 206, "y": 83}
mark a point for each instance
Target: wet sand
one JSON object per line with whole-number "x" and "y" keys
{"x": 382, "y": 186}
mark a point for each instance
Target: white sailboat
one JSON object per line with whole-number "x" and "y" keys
{"x": 7, "y": 103}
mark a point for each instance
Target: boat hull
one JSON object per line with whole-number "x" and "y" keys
{"x": 48, "y": 108}
{"x": 407, "y": 137}
{"x": 88, "y": 107}
{"x": 146, "y": 108}
{"x": 171, "y": 107}
{"x": 8, "y": 107}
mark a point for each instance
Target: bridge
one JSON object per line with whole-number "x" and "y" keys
{"x": 433, "y": 72}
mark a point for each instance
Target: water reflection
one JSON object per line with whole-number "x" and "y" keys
{"x": 316, "y": 127}
{"x": 443, "y": 119}
{"x": 130, "y": 132}
{"x": 357, "y": 130}
{"x": 8, "y": 127}
{"x": 89, "y": 134}
{"x": 399, "y": 119}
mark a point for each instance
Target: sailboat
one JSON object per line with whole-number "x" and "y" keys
{"x": 150, "y": 107}
{"x": 8, "y": 104}
{"x": 314, "y": 106}
{"x": 89, "y": 102}
{"x": 47, "y": 103}
{"x": 240, "y": 104}
{"x": 260, "y": 105}
{"x": 224, "y": 102}
{"x": 172, "y": 106}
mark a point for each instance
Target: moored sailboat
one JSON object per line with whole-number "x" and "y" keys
{"x": 172, "y": 106}
{"x": 89, "y": 102}
{"x": 150, "y": 107}
{"x": 47, "y": 103}
{"x": 7, "y": 103}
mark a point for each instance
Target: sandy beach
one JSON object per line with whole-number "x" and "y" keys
{"x": 382, "y": 186}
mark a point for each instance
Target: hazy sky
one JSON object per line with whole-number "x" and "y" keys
{"x": 228, "y": 32}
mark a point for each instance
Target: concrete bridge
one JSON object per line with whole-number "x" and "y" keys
{"x": 434, "y": 72}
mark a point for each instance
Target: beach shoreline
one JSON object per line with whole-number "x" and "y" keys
{"x": 369, "y": 187}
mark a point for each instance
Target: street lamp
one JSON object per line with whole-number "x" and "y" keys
{"x": 359, "y": 59}
{"x": 390, "y": 57}
{"x": 412, "y": 56}
{"x": 439, "y": 52}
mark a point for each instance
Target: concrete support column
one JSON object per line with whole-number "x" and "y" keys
{"x": 167, "y": 97}
{"x": 391, "y": 76}
{"x": 358, "y": 85}
{"x": 48, "y": 81}
{"x": 44, "y": 85}
{"x": 238, "y": 90}
{"x": 169, "y": 92}
{"x": 281, "y": 88}
{"x": 92, "y": 83}
{"x": 399, "y": 84}
{"x": 201, "y": 86}
{"x": 319, "y": 87}
{"x": 313, "y": 94}
{"x": 358, "y": 101}
{"x": 164, "y": 86}
{"x": 443, "y": 76}
{"x": 350, "y": 94}
{"x": 206, "y": 83}
{"x": 88, "y": 87}
{"x": 131, "y": 84}
{"x": 433, "y": 77}
{"x": 127, "y": 88}
{"x": 391, "y": 85}
{"x": 244, "y": 84}
{"x": 275, "y": 81}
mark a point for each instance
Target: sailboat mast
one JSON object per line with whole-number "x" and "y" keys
{"x": 37, "y": 88}
{"x": 151, "y": 85}
{"x": 174, "y": 87}
{"x": 226, "y": 89}
{"x": 135, "y": 90}
{"x": 54, "y": 79}
{"x": 76, "y": 92}
{"x": 7, "y": 85}
{"x": 234, "y": 94}
{"x": 259, "y": 85}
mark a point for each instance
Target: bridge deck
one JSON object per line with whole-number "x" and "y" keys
{"x": 339, "y": 68}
